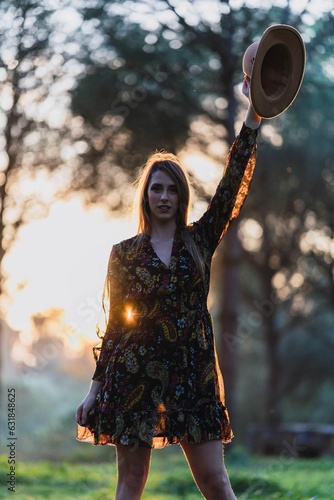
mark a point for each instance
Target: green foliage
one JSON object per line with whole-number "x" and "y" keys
{"x": 151, "y": 94}
{"x": 156, "y": 72}
{"x": 46, "y": 480}
{"x": 170, "y": 478}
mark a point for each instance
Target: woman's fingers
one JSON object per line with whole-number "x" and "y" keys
{"x": 84, "y": 407}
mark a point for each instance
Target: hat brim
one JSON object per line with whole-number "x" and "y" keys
{"x": 278, "y": 70}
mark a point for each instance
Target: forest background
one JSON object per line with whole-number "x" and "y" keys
{"x": 87, "y": 91}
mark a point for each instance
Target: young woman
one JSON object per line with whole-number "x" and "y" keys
{"x": 157, "y": 381}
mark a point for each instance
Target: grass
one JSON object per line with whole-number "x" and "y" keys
{"x": 265, "y": 478}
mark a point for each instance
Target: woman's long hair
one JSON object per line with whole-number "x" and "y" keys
{"x": 171, "y": 165}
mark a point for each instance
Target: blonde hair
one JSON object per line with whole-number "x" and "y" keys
{"x": 171, "y": 165}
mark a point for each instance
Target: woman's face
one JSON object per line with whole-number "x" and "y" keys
{"x": 163, "y": 198}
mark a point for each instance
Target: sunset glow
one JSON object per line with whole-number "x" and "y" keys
{"x": 60, "y": 262}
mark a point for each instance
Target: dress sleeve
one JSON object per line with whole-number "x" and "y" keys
{"x": 231, "y": 192}
{"x": 110, "y": 313}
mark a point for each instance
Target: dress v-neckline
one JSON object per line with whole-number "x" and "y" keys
{"x": 167, "y": 266}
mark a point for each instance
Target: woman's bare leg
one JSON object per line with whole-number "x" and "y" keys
{"x": 133, "y": 464}
{"x": 206, "y": 461}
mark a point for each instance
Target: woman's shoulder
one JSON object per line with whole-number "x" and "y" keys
{"x": 125, "y": 244}
{"x": 129, "y": 247}
{"x": 128, "y": 241}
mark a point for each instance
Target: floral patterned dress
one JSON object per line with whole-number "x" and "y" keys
{"x": 161, "y": 383}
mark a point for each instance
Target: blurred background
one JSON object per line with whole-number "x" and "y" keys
{"x": 87, "y": 91}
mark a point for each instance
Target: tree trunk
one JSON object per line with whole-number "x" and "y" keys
{"x": 267, "y": 308}
{"x": 11, "y": 150}
{"x": 228, "y": 263}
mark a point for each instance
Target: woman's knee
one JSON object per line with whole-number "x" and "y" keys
{"x": 134, "y": 477}
{"x": 216, "y": 482}
{"x": 208, "y": 468}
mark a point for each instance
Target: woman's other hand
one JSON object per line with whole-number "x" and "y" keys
{"x": 88, "y": 402}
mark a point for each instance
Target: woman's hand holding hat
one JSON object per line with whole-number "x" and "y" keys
{"x": 252, "y": 119}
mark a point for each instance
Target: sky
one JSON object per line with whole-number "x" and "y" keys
{"x": 60, "y": 262}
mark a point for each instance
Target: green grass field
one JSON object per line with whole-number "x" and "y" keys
{"x": 266, "y": 478}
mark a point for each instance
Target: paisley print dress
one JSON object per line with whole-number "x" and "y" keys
{"x": 161, "y": 383}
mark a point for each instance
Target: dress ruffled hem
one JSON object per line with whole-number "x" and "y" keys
{"x": 205, "y": 422}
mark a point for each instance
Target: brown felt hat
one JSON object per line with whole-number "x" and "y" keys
{"x": 276, "y": 66}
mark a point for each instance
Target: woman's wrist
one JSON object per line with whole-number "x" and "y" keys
{"x": 94, "y": 388}
{"x": 252, "y": 120}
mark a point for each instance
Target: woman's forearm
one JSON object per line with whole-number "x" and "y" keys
{"x": 252, "y": 119}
